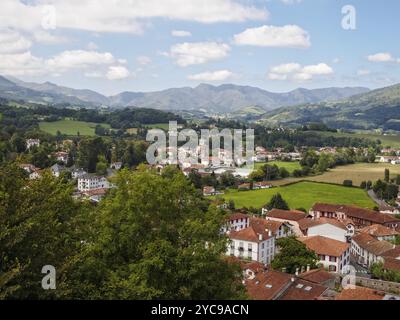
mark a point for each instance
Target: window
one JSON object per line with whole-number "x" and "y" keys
{"x": 322, "y": 257}
{"x": 250, "y": 247}
{"x": 332, "y": 259}
{"x": 332, "y": 268}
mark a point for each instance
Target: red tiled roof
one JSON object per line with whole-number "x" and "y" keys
{"x": 252, "y": 233}
{"x": 360, "y": 293}
{"x": 319, "y": 276}
{"x": 356, "y": 212}
{"x": 267, "y": 224}
{"x": 289, "y": 215}
{"x": 391, "y": 264}
{"x": 267, "y": 285}
{"x": 371, "y": 244}
{"x": 377, "y": 230}
{"x": 237, "y": 216}
{"x": 304, "y": 290}
{"x": 325, "y": 246}
{"x": 305, "y": 224}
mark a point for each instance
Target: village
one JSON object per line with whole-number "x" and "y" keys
{"x": 347, "y": 240}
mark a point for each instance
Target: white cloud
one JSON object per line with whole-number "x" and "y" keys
{"x": 297, "y": 72}
{"x": 143, "y": 60}
{"x": 291, "y": 1}
{"x": 220, "y": 75}
{"x": 381, "y": 57}
{"x": 186, "y": 54}
{"x": 180, "y": 33}
{"x": 290, "y": 36}
{"x": 78, "y": 59}
{"x": 21, "y": 64}
{"x": 117, "y": 73}
{"x": 121, "y": 15}
{"x": 13, "y": 42}
{"x": 286, "y": 68}
{"x": 318, "y": 69}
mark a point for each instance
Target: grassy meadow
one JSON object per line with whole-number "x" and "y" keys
{"x": 302, "y": 195}
{"x": 70, "y": 127}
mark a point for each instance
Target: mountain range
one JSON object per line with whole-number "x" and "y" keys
{"x": 375, "y": 109}
{"x": 227, "y": 98}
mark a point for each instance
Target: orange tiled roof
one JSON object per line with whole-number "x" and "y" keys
{"x": 305, "y": 224}
{"x": 325, "y": 246}
{"x": 377, "y": 230}
{"x": 371, "y": 244}
{"x": 290, "y": 215}
{"x": 304, "y": 290}
{"x": 318, "y": 276}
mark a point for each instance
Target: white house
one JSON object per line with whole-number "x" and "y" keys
{"x": 253, "y": 243}
{"x": 329, "y": 228}
{"x": 334, "y": 255}
{"x": 56, "y": 170}
{"x": 88, "y": 183}
{"x": 32, "y": 143}
{"x": 78, "y": 173}
{"x": 290, "y": 216}
{"x": 368, "y": 250}
{"x": 61, "y": 156}
{"x": 116, "y": 165}
{"x": 236, "y": 222}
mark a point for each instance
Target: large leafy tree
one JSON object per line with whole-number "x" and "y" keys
{"x": 277, "y": 202}
{"x": 155, "y": 239}
{"x": 293, "y": 254}
{"x": 39, "y": 225}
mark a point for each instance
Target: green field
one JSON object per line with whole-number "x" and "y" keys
{"x": 290, "y": 166}
{"x": 163, "y": 126}
{"x": 70, "y": 127}
{"x": 387, "y": 140}
{"x": 302, "y": 195}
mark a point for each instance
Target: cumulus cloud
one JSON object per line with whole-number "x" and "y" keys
{"x": 13, "y": 42}
{"x": 181, "y": 33}
{"x": 117, "y": 73}
{"x": 290, "y": 36}
{"x": 80, "y": 59}
{"x": 381, "y": 57}
{"x": 186, "y": 54}
{"x": 297, "y": 72}
{"x": 220, "y": 75}
{"x": 121, "y": 15}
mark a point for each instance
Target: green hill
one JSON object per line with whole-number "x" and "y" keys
{"x": 375, "y": 109}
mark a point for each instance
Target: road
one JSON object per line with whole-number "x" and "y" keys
{"x": 379, "y": 202}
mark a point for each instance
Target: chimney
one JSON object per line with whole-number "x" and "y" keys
{"x": 302, "y": 269}
{"x": 308, "y": 267}
{"x": 284, "y": 270}
{"x": 260, "y": 237}
{"x": 269, "y": 233}
{"x": 292, "y": 279}
{"x": 297, "y": 271}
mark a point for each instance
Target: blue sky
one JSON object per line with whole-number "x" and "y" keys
{"x": 130, "y": 46}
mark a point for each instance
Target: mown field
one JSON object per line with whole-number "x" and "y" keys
{"x": 357, "y": 172}
{"x": 302, "y": 195}
{"x": 70, "y": 127}
{"x": 290, "y": 166}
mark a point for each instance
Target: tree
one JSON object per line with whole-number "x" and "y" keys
{"x": 156, "y": 239}
{"x": 387, "y": 175}
{"x": 293, "y": 254}
{"x": 101, "y": 166}
{"x": 40, "y": 224}
{"x": 283, "y": 172}
{"x": 398, "y": 180}
{"x": 277, "y": 202}
{"x": 348, "y": 183}
{"x": 363, "y": 185}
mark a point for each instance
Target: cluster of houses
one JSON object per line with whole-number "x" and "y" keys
{"x": 89, "y": 186}
{"x": 339, "y": 235}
